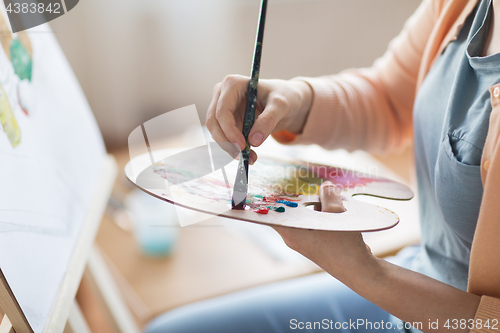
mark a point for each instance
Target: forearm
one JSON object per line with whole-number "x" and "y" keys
{"x": 408, "y": 295}
{"x": 304, "y": 91}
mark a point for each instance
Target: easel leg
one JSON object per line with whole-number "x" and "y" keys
{"x": 109, "y": 294}
{"x": 76, "y": 321}
{"x": 6, "y": 326}
{"x": 16, "y": 317}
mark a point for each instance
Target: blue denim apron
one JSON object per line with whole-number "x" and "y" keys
{"x": 451, "y": 117}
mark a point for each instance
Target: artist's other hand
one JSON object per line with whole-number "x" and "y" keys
{"x": 337, "y": 252}
{"x": 281, "y": 105}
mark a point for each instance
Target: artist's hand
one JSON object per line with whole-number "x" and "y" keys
{"x": 337, "y": 252}
{"x": 280, "y": 105}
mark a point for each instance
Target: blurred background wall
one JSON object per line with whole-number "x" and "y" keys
{"x": 138, "y": 59}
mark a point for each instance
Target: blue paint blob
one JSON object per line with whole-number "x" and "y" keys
{"x": 288, "y": 203}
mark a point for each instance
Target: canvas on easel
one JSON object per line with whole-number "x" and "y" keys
{"x": 55, "y": 180}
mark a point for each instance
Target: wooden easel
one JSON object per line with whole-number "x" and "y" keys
{"x": 65, "y": 314}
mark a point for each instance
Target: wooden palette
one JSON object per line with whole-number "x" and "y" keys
{"x": 201, "y": 179}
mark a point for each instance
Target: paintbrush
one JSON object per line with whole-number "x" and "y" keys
{"x": 241, "y": 182}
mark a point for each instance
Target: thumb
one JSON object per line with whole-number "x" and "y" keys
{"x": 330, "y": 198}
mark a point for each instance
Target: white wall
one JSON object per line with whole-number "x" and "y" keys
{"x": 138, "y": 59}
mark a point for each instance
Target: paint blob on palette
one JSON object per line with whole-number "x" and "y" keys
{"x": 279, "y": 192}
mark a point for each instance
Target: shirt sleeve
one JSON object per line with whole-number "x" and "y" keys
{"x": 487, "y": 316}
{"x": 484, "y": 268}
{"x": 370, "y": 108}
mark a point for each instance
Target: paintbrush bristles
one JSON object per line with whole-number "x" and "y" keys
{"x": 240, "y": 188}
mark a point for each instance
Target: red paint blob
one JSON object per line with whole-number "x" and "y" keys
{"x": 262, "y": 210}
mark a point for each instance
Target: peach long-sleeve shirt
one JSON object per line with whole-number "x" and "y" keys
{"x": 372, "y": 108}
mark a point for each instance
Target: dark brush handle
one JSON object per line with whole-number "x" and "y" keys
{"x": 241, "y": 182}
